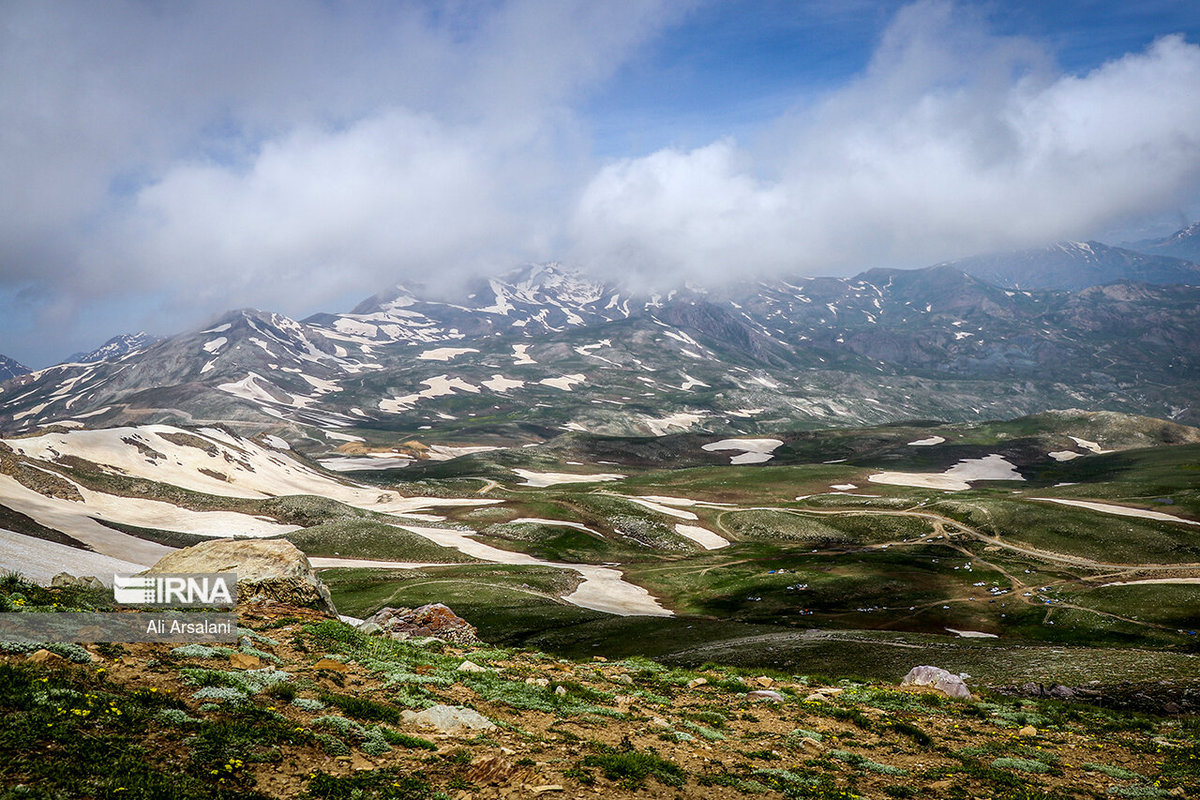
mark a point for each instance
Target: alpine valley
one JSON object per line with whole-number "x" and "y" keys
{"x": 819, "y": 476}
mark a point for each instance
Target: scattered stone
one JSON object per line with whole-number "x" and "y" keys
{"x": 272, "y": 569}
{"x": 659, "y": 722}
{"x": 46, "y": 658}
{"x": 434, "y": 619}
{"x": 560, "y": 691}
{"x": 832, "y": 691}
{"x": 599, "y": 658}
{"x": 1060, "y": 691}
{"x": 694, "y": 682}
{"x": 817, "y": 697}
{"x": 65, "y": 580}
{"x": 245, "y": 661}
{"x": 937, "y": 679}
{"x": 543, "y": 682}
{"x": 765, "y": 694}
{"x": 449, "y": 718}
{"x": 370, "y": 629}
{"x": 331, "y": 665}
{"x": 550, "y": 787}
{"x": 624, "y": 680}
{"x": 471, "y": 666}
{"x": 764, "y": 681}
{"x": 1027, "y": 730}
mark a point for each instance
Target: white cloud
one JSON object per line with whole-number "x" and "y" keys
{"x": 952, "y": 142}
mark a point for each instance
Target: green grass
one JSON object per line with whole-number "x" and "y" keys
{"x": 369, "y": 539}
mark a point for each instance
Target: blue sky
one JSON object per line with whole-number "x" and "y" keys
{"x": 166, "y": 162}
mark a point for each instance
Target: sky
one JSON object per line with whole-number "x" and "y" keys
{"x": 164, "y": 162}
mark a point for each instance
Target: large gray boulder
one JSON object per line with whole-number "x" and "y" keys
{"x": 448, "y": 718}
{"x": 274, "y": 569}
{"x": 939, "y": 680}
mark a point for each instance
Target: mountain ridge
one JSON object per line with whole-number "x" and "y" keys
{"x": 557, "y": 350}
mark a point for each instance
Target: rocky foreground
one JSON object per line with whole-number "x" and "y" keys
{"x": 308, "y": 706}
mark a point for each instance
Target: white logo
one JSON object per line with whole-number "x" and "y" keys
{"x": 180, "y": 590}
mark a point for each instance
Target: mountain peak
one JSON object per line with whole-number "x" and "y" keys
{"x": 117, "y": 347}
{"x": 10, "y": 368}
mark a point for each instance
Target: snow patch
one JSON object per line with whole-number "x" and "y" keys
{"x": 445, "y": 353}
{"x": 544, "y": 479}
{"x": 932, "y": 440}
{"x": 753, "y": 451}
{"x": 956, "y": 479}
{"x": 701, "y": 536}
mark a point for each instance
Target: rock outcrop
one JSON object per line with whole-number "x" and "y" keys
{"x": 266, "y": 569}
{"x": 939, "y": 680}
{"x": 434, "y": 619}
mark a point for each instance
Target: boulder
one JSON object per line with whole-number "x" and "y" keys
{"x": 448, "y": 718}
{"x": 939, "y": 680}
{"x": 273, "y": 569}
{"x": 48, "y": 659}
{"x": 62, "y": 580}
{"x": 434, "y": 619}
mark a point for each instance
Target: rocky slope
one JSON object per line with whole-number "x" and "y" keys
{"x": 306, "y": 706}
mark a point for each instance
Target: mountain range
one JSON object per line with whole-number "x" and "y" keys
{"x": 543, "y": 349}
{"x": 1078, "y": 265}
{"x": 1184, "y": 243}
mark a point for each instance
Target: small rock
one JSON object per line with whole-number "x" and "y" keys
{"x": 694, "y": 682}
{"x": 1171, "y": 707}
{"x": 543, "y": 682}
{"x": 624, "y": 680}
{"x": 550, "y": 787}
{"x": 62, "y": 580}
{"x": 1060, "y": 691}
{"x": 659, "y": 722}
{"x": 765, "y": 694}
{"x": 371, "y": 628}
{"x": 764, "y": 681}
{"x": 89, "y": 582}
{"x": 817, "y": 697}
{"x": 599, "y": 658}
{"x": 812, "y": 744}
{"x": 331, "y": 665}
{"x": 471, "y": 666}
{"x": 937, "y": 679}
{"x": 1028, "y": 730}
{"x": 245, "y": 661}
{"x": 832, "y": 691}
{"x": 560, "y": 691}
{"x": 46, "y": 658}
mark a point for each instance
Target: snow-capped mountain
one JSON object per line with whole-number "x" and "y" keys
{"x": 1077, "y": 265}
{"x": 1184, "y": 243}
{"x": 10, "y": 368}
{"x": 530, "y": 301}
{"x": 115, "y": 348}
{"x": 543, "y": 350}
